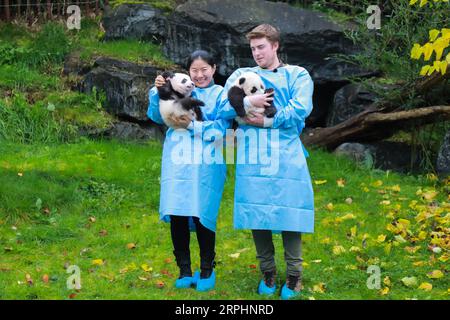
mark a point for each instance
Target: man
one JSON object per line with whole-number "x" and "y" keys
{"x": 282, "y": 200}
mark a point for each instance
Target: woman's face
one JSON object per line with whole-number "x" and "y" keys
{"x": 201, "y": 73}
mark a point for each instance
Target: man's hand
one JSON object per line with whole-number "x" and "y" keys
{"x": 159, "y": 81}
{"x": 181, "y": 122}
{"x": 261, "y": 100}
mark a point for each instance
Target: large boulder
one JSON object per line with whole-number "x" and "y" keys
{"x": 125, "y": 84}
{"x": 349, "y": 101}
{"x": 135, "y": 21}
{"x": 443, "y": 159}
{"x": 384, "y": 155}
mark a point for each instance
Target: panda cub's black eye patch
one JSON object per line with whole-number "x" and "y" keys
{"x": 241, "y": 80}
{"x": 253, "y": 90}
{"x": 184, "y": 81}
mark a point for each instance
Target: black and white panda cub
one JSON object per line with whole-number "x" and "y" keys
{"x": 175, "y": 98}
{"x": 249, "y": 83}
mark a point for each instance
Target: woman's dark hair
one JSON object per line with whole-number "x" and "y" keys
{"x": 201, "y": 54}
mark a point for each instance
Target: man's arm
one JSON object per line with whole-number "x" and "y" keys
{"x": 300, "y": 105}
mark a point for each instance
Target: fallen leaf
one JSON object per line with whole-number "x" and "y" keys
{"x": 426, "y": 286}
{"x": 319, "y": 288}
{"x": 159, "y": 284}
{"x": 252, "y": 266}
{"x": 384, "y": 291}
{"x": 330, "y": 207}
{"x": 235, "y": 255}
{"x": 387, "y": 281}
{"x": 337, "y": 250}
{"x": 72, "y": 296}
{"x": 341, "y": 183}
{"x": 131, "y": 246}
{"x": 435, "y": 274}
{"x": 98, "y": 262}
{"x": 29, "y": 279}
{"x": 146, "y": 268}
{"x": 319, "y": 182}
{"x": 349, "y": 201}
{"x": 45, "y": 278}
{"x": 103, "y": 233}
{"x": 168, "y": 260}
{"x": 92, "y": 219}
{"x": 381, "y": 238}
{"x": 410, "y": 281}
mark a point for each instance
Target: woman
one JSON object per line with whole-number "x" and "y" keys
{"x": 191, "y": 191}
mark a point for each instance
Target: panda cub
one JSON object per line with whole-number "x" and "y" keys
{"x": 175, "y": 98}
{"x": 249, "y": 83}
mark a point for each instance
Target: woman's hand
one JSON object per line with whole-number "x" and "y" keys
{"x": 256, "y": 119}
{"x": 159, "y": 81}
{"x": 261, "y": 100}
{"x": 181, "y": 122}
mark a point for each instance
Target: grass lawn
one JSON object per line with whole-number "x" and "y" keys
{"x": 94, "y": 204}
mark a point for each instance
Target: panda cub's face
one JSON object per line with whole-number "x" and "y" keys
{"x": 251, "y": 83}
{"x": 182, "y": 84}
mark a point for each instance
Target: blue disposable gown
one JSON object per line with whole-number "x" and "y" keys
{"x": 191, "y": 186}
{"x": 280, "y": 199}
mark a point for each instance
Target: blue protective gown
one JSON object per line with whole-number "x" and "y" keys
{"x": 191, "y": 186}
{"x": 280, "y": 199}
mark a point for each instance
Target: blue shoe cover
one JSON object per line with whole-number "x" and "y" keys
{"x": 287, "y": 293}
{"x": 184, "y": 282}
{"x": 206, "y": 284}
{"x": 195, "y": 277}
{"x": 263, "y": 289}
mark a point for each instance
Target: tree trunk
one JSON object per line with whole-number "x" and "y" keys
{"x": 373, "y": 125}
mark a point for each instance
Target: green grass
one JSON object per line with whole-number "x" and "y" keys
{"x": 48, "y": 193}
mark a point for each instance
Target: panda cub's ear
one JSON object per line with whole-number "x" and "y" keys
{"x": 241, "y": 80}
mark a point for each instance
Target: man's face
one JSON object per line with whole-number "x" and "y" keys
{"x": 263, "y": 52}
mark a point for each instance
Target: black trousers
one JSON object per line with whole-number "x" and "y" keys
{"x": 179, "y": 229}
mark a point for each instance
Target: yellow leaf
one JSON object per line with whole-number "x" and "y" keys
{"x": 429, "y": 195}
{"x": 337, "y": 250}
{"x": 97, "y": 262}
{"x": 443, "y": 65}
{"x": 340, "y": 183}
{"x": 387, "y": 248}
{"x": 445, "y": 33}
{"x": 435, "y": 274}
{"x": 330, "y": 206}
{"x": 351, "y": 267}
{"x": 423, "y": 2}
{"x": 444, "y": 257}
{"x": 387, "y": 281}
{"x": 381, "y": 238}
{"x": 396, "y": 188}
{"x": 426, "y": 286}
{"x": 355, "y": 249}
{"x": 131, "y": 246}
{"x": 319, "y": 288}
{"x": 385, "y": 202}
{"x": 412, "y": 249}
{"x": 422, "y": 235}
{"x": 348, "y": 216}
{"x": 433, "y": 34}
{"x": 412, "y": 2}
{"x": 146, "y": 268}
{"x": 427, "y": 51}
{"x": 325, "y": 241}
{"x": 353, "y": 231}
{"x": 377, "y": 183}
{"x": 416, "y": 51}
{"x": 418, "y": 263}
{"x": 384, "y": 291}
{"x": 319, "y": 182}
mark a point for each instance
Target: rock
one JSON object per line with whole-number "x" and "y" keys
{"x": 349, "y": 101}
{"x": 443, "y": 159}
{"x": 133, "y": 131}
{"x": 73, "y": 65}
{"x": 125, "y": 84}
{"x": 136, "y": 21}
{"x": 355, "y": 151}
{"x": 384, "y": 155}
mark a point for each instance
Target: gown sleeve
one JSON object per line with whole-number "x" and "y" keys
{"x": 153, "y": 106}
{"x": 299, "y": 107}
